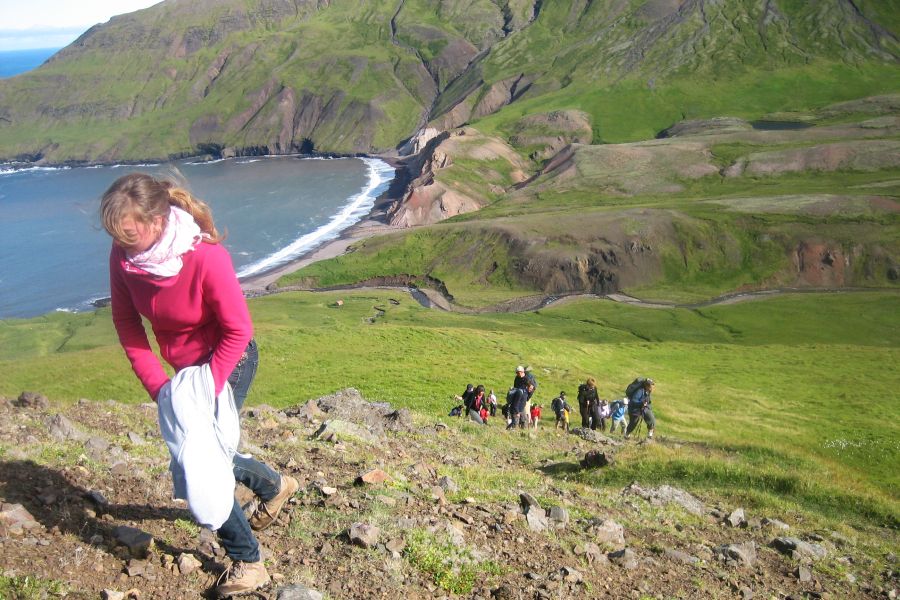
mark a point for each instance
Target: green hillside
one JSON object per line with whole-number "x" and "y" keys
{"x": 273, "y": 76}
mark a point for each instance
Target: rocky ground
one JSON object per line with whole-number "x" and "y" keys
{"x": 86, "y": 512}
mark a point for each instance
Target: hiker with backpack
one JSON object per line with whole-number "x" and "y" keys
{"x": 587, "y": 398}
{"x": 638, "y": 393}
{"x": 617, "y": 413}
{"x": 525, "y": 381}
{"x": 559, "y": 406}
{"x": 516, "y": 399}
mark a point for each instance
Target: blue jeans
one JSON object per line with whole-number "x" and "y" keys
{"x": 236, "y": 536}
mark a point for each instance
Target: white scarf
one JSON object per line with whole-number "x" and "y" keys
{"x": 181, "y": 235}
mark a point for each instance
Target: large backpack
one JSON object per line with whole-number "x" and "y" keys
{"x": 634, "y": 386}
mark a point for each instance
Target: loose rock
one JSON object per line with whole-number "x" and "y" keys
{"x": 32, "y": 400}
{"x": 738, "y": 555}
{"x": 363, "y": 534}
{"x": 138, "y": 542}
{"x": 799, "y": 549}
{"x": 297, "y": 591}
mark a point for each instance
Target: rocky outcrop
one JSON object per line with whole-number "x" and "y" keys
{"x": 432, "y": 196}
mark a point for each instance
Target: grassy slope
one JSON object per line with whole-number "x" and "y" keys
{"x": 778, "y": 402}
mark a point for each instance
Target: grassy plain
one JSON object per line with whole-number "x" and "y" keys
{"x": 784, "y": 402}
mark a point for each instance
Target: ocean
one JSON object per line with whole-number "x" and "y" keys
{"x": 13, "y": 62}
{"x": 54, "y": 254}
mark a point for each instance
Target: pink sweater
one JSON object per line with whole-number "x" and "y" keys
{"x": 197, "y": 316}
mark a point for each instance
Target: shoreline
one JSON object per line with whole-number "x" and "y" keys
{"x": 369, "y": 226}
{"x": 373, "y": 224}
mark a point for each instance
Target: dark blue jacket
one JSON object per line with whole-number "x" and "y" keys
{"x": 638, "y": 401}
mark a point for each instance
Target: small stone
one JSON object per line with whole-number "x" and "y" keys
{"x": 682, "y": 557}
{"x": 437, "y": 492}
{"x": 798, "y": 548}
{"x": 297, "y": 591}
{"x": 396, "y": 545}
{"x": 135, "y": 439}
{"x": 625, "y": 558}
{"x": 32, "y": 400}
{"x": 594, "y": 459}
{"x": 803, "y": 574}
{"x": 571, "y": 575}
{"x": 112, "y": 595}
{"x": 188, "y": 563}
{"x": 328, "y": 490}
{"x": 15, "y": 519}
{"x": 528, "y": 502}
{"x": 375, "y": 476}
{"x": 138, "y": 542}
{"x": 136, "y": 568}
{"x": 363, "y": 534}
{"x": 537, "y": 520}
{"x": 743, "y": 554}
{"x": 449, "y": 486}
{"x": 736, "y": 518}
{"x": 746, "y": 593}
{"x": 611, "y": 533}
{"x": 559, "y": 516}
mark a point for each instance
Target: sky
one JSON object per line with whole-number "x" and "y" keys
{"x": 26, "y": 24}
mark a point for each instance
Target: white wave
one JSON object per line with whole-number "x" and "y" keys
{"x": 358, "y": 206}
{"x": 8, "y": 169}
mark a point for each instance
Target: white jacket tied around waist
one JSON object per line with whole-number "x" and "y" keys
{"x": 202, "y": 433}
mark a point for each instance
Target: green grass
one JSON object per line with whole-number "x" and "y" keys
{"x": 25, "y": 587}
{"x": 453, "y": 568}
{"x": 783, "y": 402}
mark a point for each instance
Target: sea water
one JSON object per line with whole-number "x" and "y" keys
{"x": 54, "y": 255}
{"x": 14, "y": 62}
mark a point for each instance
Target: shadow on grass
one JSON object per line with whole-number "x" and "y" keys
{"x": 561, "y": 468}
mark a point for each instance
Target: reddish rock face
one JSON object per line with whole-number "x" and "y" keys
{"x": 819, "y": 265}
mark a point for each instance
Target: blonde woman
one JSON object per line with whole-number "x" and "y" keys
{"x": 167, "y": 265}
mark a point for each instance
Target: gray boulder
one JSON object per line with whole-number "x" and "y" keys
{"x": 799, "y": 549}
{"x": 336, "y": 429}
{"x": 737, "y": 555}
{"x": 666, "y": 494}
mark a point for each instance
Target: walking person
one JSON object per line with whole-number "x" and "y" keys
{"x": 492, "y": 403}
{"x": 601, "y": 414}
{"x": 525, "y": 380}
{"x": 639, "y": 407}
{"x": 587, "y": 398}
{"x": 617, "y": 413}
{"x": 515, "y": 400}
{"x": 167, "y": 265}
{"x": 559, "y": 406}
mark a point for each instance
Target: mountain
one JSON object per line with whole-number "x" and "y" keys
{"x": 674, "y": 149}
{"x": 275, "y": 76}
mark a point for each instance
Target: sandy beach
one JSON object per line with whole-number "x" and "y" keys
{"x": 373, "y": 224}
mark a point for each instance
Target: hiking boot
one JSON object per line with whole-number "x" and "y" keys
{"x": 266, "y": 512}
{"x": 241, "y": 578}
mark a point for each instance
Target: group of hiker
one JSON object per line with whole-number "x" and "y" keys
{"x": 520, "y": 412}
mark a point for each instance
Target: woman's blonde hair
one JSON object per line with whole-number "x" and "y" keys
{"x": 591, "y": 382}
{"x": 143, "y": 198}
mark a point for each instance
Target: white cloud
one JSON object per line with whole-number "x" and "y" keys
{"x": 56, "y": 23}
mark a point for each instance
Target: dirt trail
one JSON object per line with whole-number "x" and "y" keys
{"x": 432, "y": 298}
